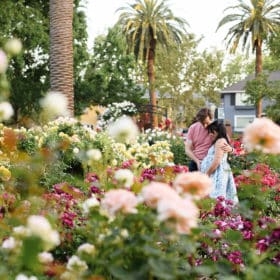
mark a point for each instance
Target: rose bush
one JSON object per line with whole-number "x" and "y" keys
{"x": 129, "y": 212}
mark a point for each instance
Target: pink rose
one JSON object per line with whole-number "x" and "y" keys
{"x": 194, "y": 183}
{"x": 119, "y": 200}
{"x": 155, "y": 191}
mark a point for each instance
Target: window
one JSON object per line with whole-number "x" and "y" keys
{"x": 240, "y": 99}
{"x": 221, "y": 113}
{"x": 240, "y": 122}
{"x": 232, "y": 99}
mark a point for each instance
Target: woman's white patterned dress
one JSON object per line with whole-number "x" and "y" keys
{"x": 222, "y": 177}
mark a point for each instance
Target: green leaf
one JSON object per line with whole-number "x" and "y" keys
{"x": 31, "y": 247}
{"x": 139, "y": 273}
{"x": 233, "y": 236}
{"x": 205, "y": 270}
{"x": 162, "y": 268}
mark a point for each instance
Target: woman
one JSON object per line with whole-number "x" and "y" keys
{"x": 198, "y": 140}
{"x": 216, "y": 166}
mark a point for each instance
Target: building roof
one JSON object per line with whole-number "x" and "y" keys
{"x": 240, "y": 86}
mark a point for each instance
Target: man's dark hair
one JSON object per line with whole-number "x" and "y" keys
{"x": 202, "y": 114}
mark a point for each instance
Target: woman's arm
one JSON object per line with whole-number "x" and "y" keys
{"x": 219, "y": 152}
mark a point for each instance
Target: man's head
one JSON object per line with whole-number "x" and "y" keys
{"x": 204, "y": 116}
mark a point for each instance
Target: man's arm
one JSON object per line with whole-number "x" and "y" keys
{"x": 227, "y": 148}
{"x": 190, "y": 154}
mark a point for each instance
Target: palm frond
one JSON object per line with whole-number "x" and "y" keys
{"x": 252, "y": 22}
{"x": 146, "y": 19}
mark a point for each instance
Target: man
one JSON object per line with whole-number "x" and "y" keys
{"x": 198, "y": 140}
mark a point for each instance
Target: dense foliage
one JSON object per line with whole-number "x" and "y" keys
{"x": 131, "y": 240}
{"x": 29, "y": 72}
{"x": 112, "y": 74}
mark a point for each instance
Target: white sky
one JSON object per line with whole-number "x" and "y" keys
{"x": 203, "y": 17}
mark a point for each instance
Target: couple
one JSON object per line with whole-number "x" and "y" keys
{"x": 207, "y": 145}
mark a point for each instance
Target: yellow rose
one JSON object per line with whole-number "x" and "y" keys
{"x": 5, "y": 174}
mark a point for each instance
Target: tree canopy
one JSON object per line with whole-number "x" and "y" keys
{"x": 29, "y": 72}
{"x": 148, "y": 24}
{"x": 252, "y": 23}
{"x": 112, "y": 75}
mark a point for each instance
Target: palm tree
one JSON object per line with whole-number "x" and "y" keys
{"x": 256, "y": 20}
{"x": 147, "y": 23}
{"x": 61, "y": 49}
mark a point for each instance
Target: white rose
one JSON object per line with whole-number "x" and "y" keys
{"x": 13, "y": 46}
{"x": 55, "y": 104}
{"x": 6, "y": 110}
{"x": 90, "y": 203}
{"x": 9, "y": 243}
{"x": 124, "y": 176}
{"x": 45, "y": 257}
{"x": 76, "y": 264}
{"x": 3, "y": 62}
{"x": 87, "y": 248}
{"x": 94, "y": 154}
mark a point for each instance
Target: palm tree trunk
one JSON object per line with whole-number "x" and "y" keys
{"x": 151, "y": 77}
{"x": 61, "y": 49}
{"x": 257, "y": 72}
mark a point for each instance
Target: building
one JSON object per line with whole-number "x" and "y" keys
{"x": 234, "y": 109}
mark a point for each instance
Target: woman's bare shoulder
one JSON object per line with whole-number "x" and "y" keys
{"x": 220, "y": 142}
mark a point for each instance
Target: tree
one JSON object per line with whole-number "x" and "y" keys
{"x": 255, "y": 89}
{"x": 29, "y": 72}
{"x": 146, "y": 24}
{"x": 255, "y": 20}
{"x": 61, "y": 49}
{"x": 81, "y": 55}
{"x": 111, "y": 75}
{"x": 274, "y": 45}
{"x": 188, "y": 79}
{"x": 235, "y": 70}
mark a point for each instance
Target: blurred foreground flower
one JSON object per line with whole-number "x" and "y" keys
{"x": 54, "y": 105}
{"x": 183, "y": 211}
{"x": 13, "y": 46}
{"x": 119, "y": 200}
{"x": 76, "y": 264}
{"x": 40, "y": 226}
{"x": 125, "y": 177}
{"x": 123, "y": 130}
{"x": 264, "y": 135}
{"x": 24, "y": 277}
{"x": 3, "y": 62}
{"x": 89, "y": 204}
{"x": 194, "y": 183}
{"x": 156, "y": 191}
{"x": 5, "y": 174}
{"x": 45, "y": 257}
{"x": 170, "y": 206}
{"x": 9, "y": 243}
{"x": 93, "y": 155}
{"x": 6, "y": 110}
{"x": 86, "y": 248}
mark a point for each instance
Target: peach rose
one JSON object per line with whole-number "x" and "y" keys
{"x": 183, "y": 211}
{"x": 262, "y": 134}
{"x": 194, "y": 183}
{"x": 156, "y": 191}
{"x": 119, "y": 200}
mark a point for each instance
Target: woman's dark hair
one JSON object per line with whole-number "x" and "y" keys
{"x": 202, "y": 114}
{"x": 218, "y": 127}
